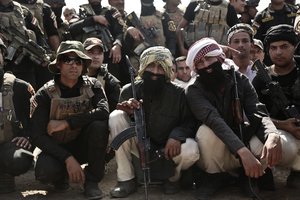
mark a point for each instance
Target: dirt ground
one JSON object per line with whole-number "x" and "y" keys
{"x": 29, "y": 189}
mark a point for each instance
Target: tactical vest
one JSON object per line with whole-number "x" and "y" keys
{"x": 62, "y": 108}
{"x": 14, "y": 18}
{"x": 210, "y": 21}
{"x": 7, "y": 115}
{"x": 36, "y": 10}
{"x": 154, "y": 22}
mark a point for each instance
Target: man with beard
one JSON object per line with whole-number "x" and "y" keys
{"x": 223, "y": 146}
{"x": 280, "y": 42}
{"x": 15, "y": 149}
{"x": 167, "y": 118}
{"x": 240, "y": 37}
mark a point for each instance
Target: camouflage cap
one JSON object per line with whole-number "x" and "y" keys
{"x": 66, "y": 47}
{"x": 240, "y": 27}
{"x": 158, "y": 54}
{"x": 91, "y": 42}
{"x": 258, "y": 43}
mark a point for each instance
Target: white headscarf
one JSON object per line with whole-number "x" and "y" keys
{"x": 205, "y": 47}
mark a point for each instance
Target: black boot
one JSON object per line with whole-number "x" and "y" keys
{"x": 124, "y": 188}
{"x": 92, "y": 190}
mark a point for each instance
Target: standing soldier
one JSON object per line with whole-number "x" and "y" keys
{"x": 69, "y": 123}
{"x": 107, "y": 24}
{"x": 278, "y": 12}
{"x": 46, "y": 19}
{"x": 15, "y": 149}
{"x": 200, "y": 20}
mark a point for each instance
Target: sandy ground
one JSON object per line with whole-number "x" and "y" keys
{"x": 29, "y": 189}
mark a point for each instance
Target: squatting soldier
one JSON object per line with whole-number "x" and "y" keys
{"x": 69, "y": 123}
{"x": 15, "y": 149}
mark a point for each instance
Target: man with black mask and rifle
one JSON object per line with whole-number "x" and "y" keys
{"x": 278, "y": 86}
{"x": 165, "y": 121}
{"x": 218, "y": 99}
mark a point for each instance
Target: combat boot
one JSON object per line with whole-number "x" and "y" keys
{"x": 124, "y": 188}
{"x": 92, "y": 190}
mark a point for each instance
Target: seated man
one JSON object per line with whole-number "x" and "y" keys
{"x": 69, "y": 123}
{"x": 183, "y": 72}
{"x": 15, "y": 149}
{"x": 167, "y": 119}
{"x": 225, "y": 143}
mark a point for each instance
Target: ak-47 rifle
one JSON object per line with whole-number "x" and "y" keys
{"x": 19, "y": 46}
{"x": 275, "y": 91}
{"x": 149, "y": 34}
{"x": 137, "y": 129}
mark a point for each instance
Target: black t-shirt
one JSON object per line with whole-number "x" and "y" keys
{"x": 231, "y": 17}
{"x": 287, "y": 83}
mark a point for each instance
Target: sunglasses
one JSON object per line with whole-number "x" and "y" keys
{"x": 69, "y": 60}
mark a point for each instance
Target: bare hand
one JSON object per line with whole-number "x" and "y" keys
{"x": 75, "y": 172}
{"x": 101, "y": 20}
{"x": 172, "y": 148}
{"x": 135, "y": 33}
{"x": 253, "y": 168}
{"x": 129, "y": 106}
{"x": 272, "y": 150}
{"x": 115, "y": 54}
{"x": 290, "y": 125}
{"x": 56, "y": 126}
{"x": 22, "y": 142}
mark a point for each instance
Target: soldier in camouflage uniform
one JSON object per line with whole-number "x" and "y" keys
{"x": 69, "y": 123}
{"x": 205, "y": 18}
{"x": 15, "y": 149}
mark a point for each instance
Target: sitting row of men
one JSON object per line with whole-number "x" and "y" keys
{"x": 74, "y": 117}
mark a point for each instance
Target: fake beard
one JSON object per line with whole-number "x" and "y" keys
{"x": 212, "y": 80}
{"x": 153, "y": 84}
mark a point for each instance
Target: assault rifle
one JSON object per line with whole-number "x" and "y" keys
{"x": 148, "y": 33}
{"x": 103, "y": 33}
{"x": 20, "y": 46}
{"x": 275, "y": 91}
{"x": 137, "y": 129}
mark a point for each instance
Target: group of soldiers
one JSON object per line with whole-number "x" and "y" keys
{"x": 188, "y": 93}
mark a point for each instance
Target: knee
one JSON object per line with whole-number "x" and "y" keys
{"x": 98, "y": 131}
{"x": 190, "y": 150}
{"x": 21, "y": 164}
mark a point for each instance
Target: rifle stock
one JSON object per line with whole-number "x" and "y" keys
{"x": 275, "y": 91}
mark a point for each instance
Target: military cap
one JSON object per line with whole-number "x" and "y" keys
{"x": 66, "y": 47}
{"x": 91, "y": 42}
{"x": 240, "y": 27}
{"x": 159, "y": 54}
{"x": 282, "y": 32}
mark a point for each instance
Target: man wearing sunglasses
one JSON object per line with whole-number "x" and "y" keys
{"x": 69, "y": 122}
